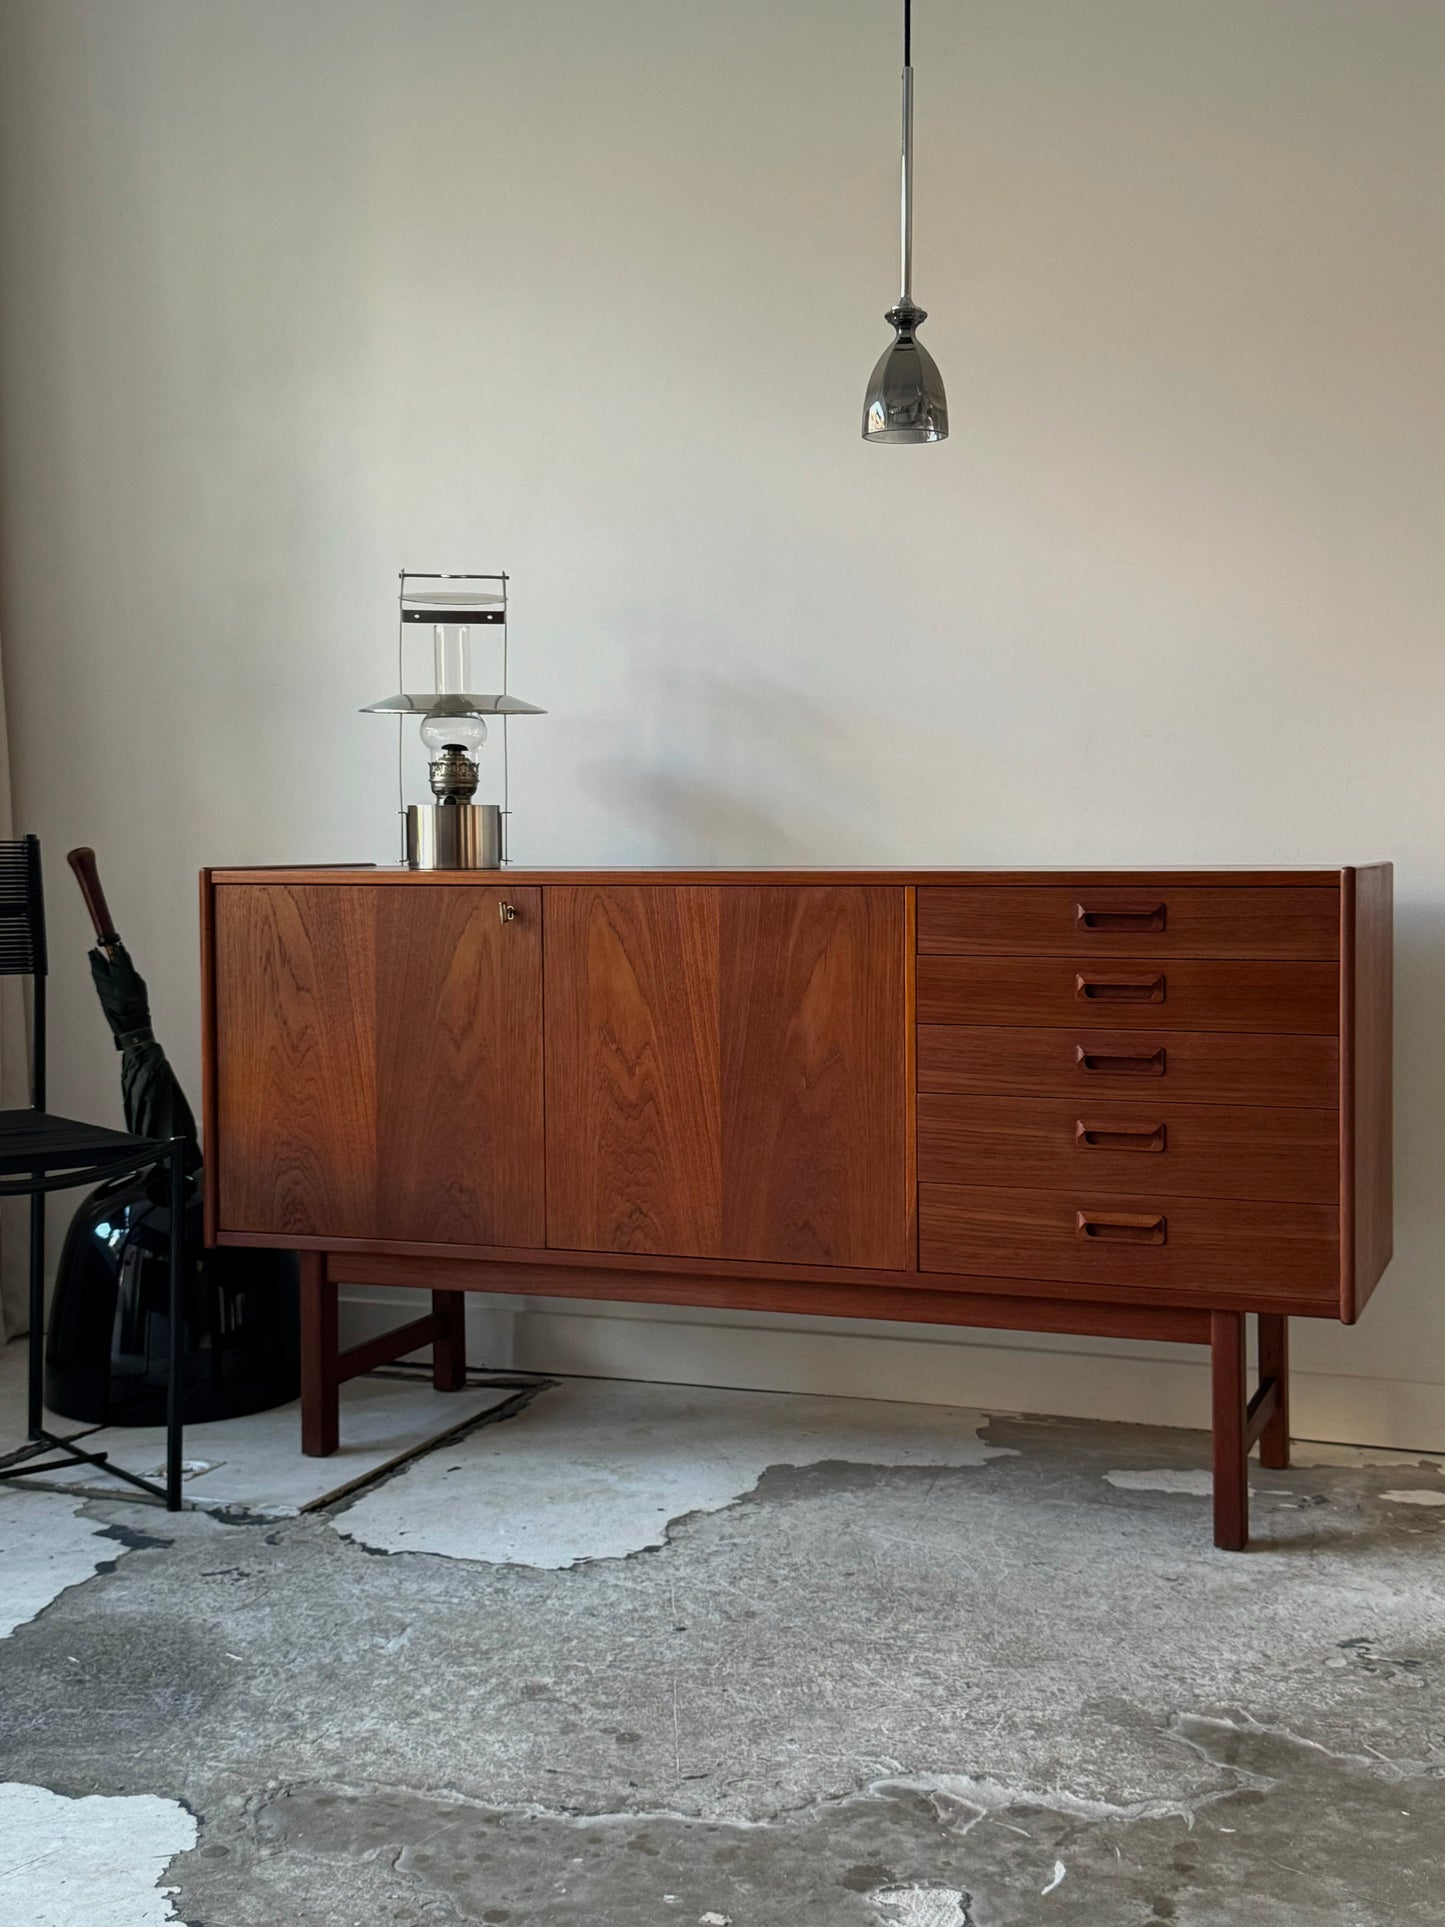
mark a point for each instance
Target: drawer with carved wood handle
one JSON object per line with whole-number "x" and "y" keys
{"x": 1105, "y": 921}
{"x": 1225, "y": 1249}
{"x": 1148, "y": 1147}
{"x": 1181, "y": 993}
{"x": 1195, "y": 1066}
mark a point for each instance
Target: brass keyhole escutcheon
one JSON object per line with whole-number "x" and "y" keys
{"x": 507, "y": 912}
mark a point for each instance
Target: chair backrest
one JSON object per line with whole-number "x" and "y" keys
{"x": 22, "y": 941}
{"x": 22, "y": 909}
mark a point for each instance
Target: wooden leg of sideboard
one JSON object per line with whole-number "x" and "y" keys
{"x": 1274, "y": 1366}
{"x": 320, "y": 1359}
{"x": 449, "y": 1347}
{"x": 1231, "y": 1445}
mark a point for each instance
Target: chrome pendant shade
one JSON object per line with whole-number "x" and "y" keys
{"x": 905, "y": 400}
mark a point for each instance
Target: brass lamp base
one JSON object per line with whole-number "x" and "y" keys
{"x": 454, "y": 836}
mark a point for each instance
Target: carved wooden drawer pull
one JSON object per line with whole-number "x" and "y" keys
{"x": 1101, "y": 1063}
{"x": 1109, "y": 1137}
{"x": 1115, "y": 987}
{"x": 1120, "y": 916}
{"x": 1122, "y": 1227}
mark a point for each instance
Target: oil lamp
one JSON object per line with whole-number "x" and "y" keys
{"x": 454, "y": 832}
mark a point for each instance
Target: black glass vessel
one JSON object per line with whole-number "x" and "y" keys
{"x": 109, "y": 1332}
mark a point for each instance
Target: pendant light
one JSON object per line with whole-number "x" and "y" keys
{"x": 905, "y": 400}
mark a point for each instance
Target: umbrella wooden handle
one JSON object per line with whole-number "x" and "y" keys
{"x": 82, "y": 861}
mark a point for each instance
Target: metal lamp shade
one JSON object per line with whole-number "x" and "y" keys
{"x": 905, "y": 400}
{"x": 411, "y": 703}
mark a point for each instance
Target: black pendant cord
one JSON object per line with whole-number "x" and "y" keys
{"x": 908, "y": 33}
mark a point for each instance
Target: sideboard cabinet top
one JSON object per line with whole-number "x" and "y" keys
{"x": 1174, "y": 878}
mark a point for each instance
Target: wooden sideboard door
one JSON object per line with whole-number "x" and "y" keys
{"x": 378, "y": 1071}
{"x": 816, "y": 1037}
{"x": 727, "y": 1072}
{"x": 295, "y": 1064}
{"x": 459, "y": 1064}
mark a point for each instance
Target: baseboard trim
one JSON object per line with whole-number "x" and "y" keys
{"x": 1144, "y": 1384}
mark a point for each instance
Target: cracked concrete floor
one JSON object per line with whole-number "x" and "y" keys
{"x": 991, "y": 1686}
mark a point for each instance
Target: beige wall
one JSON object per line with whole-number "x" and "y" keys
{"x": 297, "y": 291}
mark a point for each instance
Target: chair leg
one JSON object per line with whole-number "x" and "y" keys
{"x": 172, "y": 1160}
{"x": 35, "y": 1398}
{"x": 1274, "y": 1364}
{"x": 320, "y": 1359}
{"x": 1231, "y": 1448}
{"x": 449, "y": 1347}
{"x": 175, "y": 1376}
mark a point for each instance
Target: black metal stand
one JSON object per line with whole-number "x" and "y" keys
{"x": 173, "y": 1156}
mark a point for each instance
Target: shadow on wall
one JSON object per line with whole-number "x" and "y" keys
{"x": 744, "y": 769}
{"x": 781, "y": 756}
{"x": 1405, "y": 1320}
{"x": 1419, "y": 1077}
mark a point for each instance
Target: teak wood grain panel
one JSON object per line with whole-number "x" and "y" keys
{"x": 1198, "y": 1066}
{"x": 1164, "y": 1148}
{"x": 634, "y": 1112}
{"x": 995, "y": 1303}
{"x": 295, "y": 1072}
{"x": 459, "y": 1066}
{"x": 726, "y": 1073}
{"x": 1102, "y": 920}
{"x": 815, "y": 1033}
{"x": 1164, "y": 993}
{"x": 1367, "y": 1100}
{"x": 378, "y": 1063}
{"x": 1089, "y": 1236}
{"x": 492, "y": 1268}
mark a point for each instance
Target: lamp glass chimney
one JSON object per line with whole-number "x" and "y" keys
{"x": 452, "y": 654}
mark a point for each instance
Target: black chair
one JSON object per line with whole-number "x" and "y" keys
{"x": 41, "y": 1153}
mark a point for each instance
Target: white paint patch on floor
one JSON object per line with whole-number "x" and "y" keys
{"x": 597, "y": 1469}
{"x": 961, "y": 1801}
{"x": 94, "y": 1862}
{"x": 919, "y": 1906}
{"x": 45, "y": 1546}
{"x": 255, "y": 1464}
{"x": 1417, "y": 1495}
{"x": 1192, "y": 1482}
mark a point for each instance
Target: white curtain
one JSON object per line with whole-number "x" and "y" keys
{"x": 14, "y": 1094}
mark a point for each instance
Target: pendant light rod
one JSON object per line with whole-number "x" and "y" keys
{"x": 905, "y": 299}
{"x": 905, "y": 401}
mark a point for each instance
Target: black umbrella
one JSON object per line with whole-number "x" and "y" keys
{"x": 155, "y": 1104}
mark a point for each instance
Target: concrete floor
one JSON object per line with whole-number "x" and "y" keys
{"x": 709, "y": 1657}
{"x": 252, "y": 1463}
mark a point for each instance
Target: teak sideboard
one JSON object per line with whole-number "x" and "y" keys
{"x": 1128, "y": 1104}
